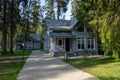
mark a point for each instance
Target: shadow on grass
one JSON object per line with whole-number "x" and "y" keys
{"x": 109, "y": 78}
{"x": 89, "y": 62}
{"x": 105, "y": 68}
{"x": 16, "y": 53}
{"x": 9, "y": 68}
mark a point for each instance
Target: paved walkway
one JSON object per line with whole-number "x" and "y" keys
{"x": 41, "y": 66}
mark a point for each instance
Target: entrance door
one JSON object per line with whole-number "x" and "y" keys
{"x": 67, "y": 40}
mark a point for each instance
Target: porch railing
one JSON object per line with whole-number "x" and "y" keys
{"x": 59, "y": 48}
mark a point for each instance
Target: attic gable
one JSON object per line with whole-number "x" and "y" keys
{"x": 60, "y": 24}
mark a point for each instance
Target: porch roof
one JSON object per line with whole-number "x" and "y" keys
{"x": 62, "y": 35}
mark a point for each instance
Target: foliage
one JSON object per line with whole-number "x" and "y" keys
{"x": 29, "y": 16}
{"x": 40, "y": 29}
{"x": 105, "y": 68}
{"x": 50, "y": 13}
{"x": 41, "y": 45}
{"x": 53, "y": 5}
{"x": 104, "y": 17}
{"x": 85, "y": 53}
{"x": 18, "y": 16}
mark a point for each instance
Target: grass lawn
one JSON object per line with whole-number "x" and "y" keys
{"x": 104, "y": 68}
{"x": 16, "y": 53}
{"x": 9, "y": 68}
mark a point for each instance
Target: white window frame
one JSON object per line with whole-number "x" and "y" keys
{"x": 90, "y": 39}
{"x": 79, "y": 41}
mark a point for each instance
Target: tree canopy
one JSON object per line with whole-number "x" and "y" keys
{"x": 18, "y": 17}
{"x": 104, "y": 16}
{"x": 53, "y": 5}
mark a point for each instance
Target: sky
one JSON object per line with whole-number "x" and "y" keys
{"x": 67, "y": 14}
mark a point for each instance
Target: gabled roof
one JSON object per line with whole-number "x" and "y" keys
{"x": 18, "y": 38}
{"x": 60, "y": 24}
{"x": 35, "y": 37}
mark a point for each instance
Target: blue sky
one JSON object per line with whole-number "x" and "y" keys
{"x": 67, "y": 14}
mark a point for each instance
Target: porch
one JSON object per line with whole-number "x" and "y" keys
{"x": 62, "y": 43}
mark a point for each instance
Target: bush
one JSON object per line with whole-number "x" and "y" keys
{"x": 41, "y": 45}
{"x": 85, "y": 53}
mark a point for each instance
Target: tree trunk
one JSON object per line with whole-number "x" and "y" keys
{"x": 11, "y": 27}
{"x": 58, "y": 9}
{"x": 4, "y": 29}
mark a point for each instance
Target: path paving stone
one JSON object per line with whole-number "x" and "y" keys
{"x": 41, "y": 66}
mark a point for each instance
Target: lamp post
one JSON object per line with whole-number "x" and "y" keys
{"x": 23, "y": 51}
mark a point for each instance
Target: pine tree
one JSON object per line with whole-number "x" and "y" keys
{"x": 50, "y": 13}
{"x": 4, "y": 28}
{"x": 59, "y": 5}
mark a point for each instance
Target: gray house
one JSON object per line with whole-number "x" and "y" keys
{"x": 32, "y": 43}
{"x": 67, "y": 36}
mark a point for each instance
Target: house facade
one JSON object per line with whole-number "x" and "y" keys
{"x": 67, "y": 36}
{"x": 32, "y": 43}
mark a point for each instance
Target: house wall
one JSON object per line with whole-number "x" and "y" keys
{"x": 73, "y": 44}
{"x": 36, "y": 45}
{"x": 28, "y": 45}
{"x": 46, "y": 41}
{"x": 85, "y": 35}
{"x": 50, "y": 44}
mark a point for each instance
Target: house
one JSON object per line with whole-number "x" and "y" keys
{"x": 32, "y": 43}
{"x": 67, "y": 36}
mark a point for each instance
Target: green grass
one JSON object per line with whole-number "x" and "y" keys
{"x": 9, "y": 68}
{"x": 104, "y": 68}
{"x": 17, "y": 53}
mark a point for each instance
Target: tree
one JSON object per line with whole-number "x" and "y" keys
{"x": 103, "y": 14}
{"x": 50, "y": 13}
{"x": 13, "y": 19}
{"x": 30, "y": 16}
{"x": 1, "y": 15}
{"x": 59, "y": 5}
{"x": 0, "y": 22}
{"x": 36, "y": 15}
{"x": 109, "y": 26}
{"x": 4, "y": 27}
{"x": 12, "y": 27}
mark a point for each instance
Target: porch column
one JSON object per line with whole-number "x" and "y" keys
{"x": 54, "y": 44}
{"x": 64, "y": 44}
{"x": 85, "y": 43}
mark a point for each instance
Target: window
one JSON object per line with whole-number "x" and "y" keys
{"x": 80, "y": 43}
{"x": 90, "y": 42}
{"x": 60, "y": 42}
